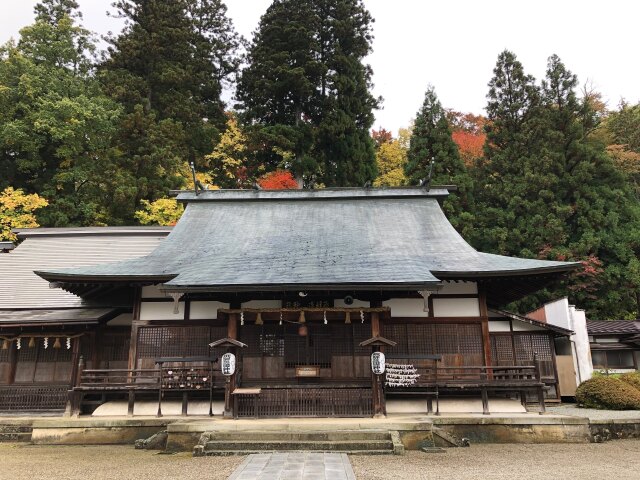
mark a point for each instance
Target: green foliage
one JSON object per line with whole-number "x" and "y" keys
{"x": 17, "y": 211}
{"x": 55, "y": 124}
{"x": 306, "y": 91}
{"x": 166, "y": 69}
{"x": 547, "y": 190}
{"x": 608, "y": 393}
{"x": 431, "y": 140}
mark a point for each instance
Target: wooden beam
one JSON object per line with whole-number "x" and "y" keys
{"x": 484, "y": 315}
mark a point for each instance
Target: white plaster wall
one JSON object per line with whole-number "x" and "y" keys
{"x": 406, "y": 307}
{"x": 456, "y": 307}
{"x": 557, "y": 313}
{"x": 580, "y": 339}
{"x": 160, "y": 311}
{"x": 458, "y": 288}
{"x": 561, "y": 314}
{"x": 120, "y": 320}
{"x": 339, "y": 303}
{"x": 526, "y": 327}
{"x": 499, "y": 326}
{"x": 204, "y": 310}
{"x": 262, "y": 304}
{"x": 152, "y": 291}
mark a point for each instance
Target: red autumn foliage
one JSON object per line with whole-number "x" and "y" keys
{"x": 469, "y": 145}
{"x": 278, "y": 180}
{"x": 381, "y": 136}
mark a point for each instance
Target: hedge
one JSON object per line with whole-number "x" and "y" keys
{"x": 608, "y": 393}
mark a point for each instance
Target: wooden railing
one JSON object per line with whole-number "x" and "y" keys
{"x": 33, "y": 397}
{"x": 182, "y": 375}
{"x": 435, "y": 379}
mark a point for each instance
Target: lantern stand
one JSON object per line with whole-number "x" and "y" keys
{"x": 379, "y": 402}
{"x": 232, "y": 347}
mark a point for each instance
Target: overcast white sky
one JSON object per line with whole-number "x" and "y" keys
{"x": 454, "y": 44}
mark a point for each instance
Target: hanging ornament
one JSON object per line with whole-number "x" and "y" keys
{"x": 324, "y": 316}
{"x": 5, "y": 344}
{"x": 19, "y": 343}
{"x": 303, "y": 331}
{"x": 347, "y": 318}
{"x": 280, "y": 323}
{"x": 241, "y": 317}
{"x": 301, "y": 319}
{"x": 361, "y": 316}
{"x": 259, "y": 319}
{"x": 46, "y": 342}
{"x": 32, "y": 342}
{"x": 56, "y": 343}
{"x": 68, "y": 343}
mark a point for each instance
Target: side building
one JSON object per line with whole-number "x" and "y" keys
{"x": 44, "y": 331}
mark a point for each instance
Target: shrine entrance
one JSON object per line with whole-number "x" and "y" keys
{"x": 312, "y": 369}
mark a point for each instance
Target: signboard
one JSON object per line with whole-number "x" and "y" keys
{"x": 401, "y": 375}
{"x": 377, "y": 363}
{"x": 307, "y": 371}
{"x": 228, "y": 364}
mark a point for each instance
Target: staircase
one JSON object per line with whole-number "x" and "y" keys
{"x": 15, "y": 432}
{"x": 365, "y": 442}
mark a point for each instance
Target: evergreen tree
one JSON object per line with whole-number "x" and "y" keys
{"x": 547, "y": 190}
{"x": 167, "y": 69}
{"x": 600, "y": 212}
{"x": 306, "y": 91}
{"x": 55, "y": 123}
{"x": 278, "y": 91}
{"x": 431, "y": 140}
{"x": 515, "y": 182}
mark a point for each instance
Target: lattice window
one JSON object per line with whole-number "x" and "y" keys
{"x": 430, "y": 339}
{"x": 502, "y": 350}
{"x": 183, "y": 341}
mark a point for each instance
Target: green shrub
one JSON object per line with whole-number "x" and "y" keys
{"x": 631, "y": 378}
{"x": 608, "y": 393}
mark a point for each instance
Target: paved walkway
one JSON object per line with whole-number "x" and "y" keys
{"x": 295, "y": 466}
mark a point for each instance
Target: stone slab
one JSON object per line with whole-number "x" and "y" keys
{"x": 295, "y": 466}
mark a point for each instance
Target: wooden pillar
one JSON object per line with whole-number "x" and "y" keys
{"x": 230, "y": 383}
{"x": 13, "y": 362}
{"x": 484, "y": 316}
{"x": 379, "y": 403}
{"x": 133, "y": 341}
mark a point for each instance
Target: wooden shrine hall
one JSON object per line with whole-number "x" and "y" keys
{"x": 276, "y": 302}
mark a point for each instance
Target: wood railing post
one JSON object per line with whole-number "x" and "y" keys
{"x": 536, "y": 362}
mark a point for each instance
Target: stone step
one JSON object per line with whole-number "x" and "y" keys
{"x": 15, "y": 437}
{"x": 15, "y": 433}
{"x": 299, "y": 445}
{"x": 335, "y": 435}
{"x": 229, "y": 453}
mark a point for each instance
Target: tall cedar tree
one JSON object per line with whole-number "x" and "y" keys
{"x": 56, "y": 125}
{"x": 306, "y": 90}
{"x": 547, "y": 191}
{"x": 431, "y": 139}
{"x": 278, "y": 91}
{"x": 167, "y": 68}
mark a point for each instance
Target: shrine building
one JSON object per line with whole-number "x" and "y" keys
{"x": 301, "y": 287}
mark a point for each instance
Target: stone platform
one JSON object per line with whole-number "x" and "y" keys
{"x": 185, "y": 432}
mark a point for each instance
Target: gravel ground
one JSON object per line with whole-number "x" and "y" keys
{"x": 22, "y": 462}
{"x": 618, "y": 459}
{"x": 594, "y": 414}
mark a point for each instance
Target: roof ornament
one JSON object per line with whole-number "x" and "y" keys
{"x": 367, "y": 185}
{"x": 195, "y": 182}
{"x": 426, "y": 182}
